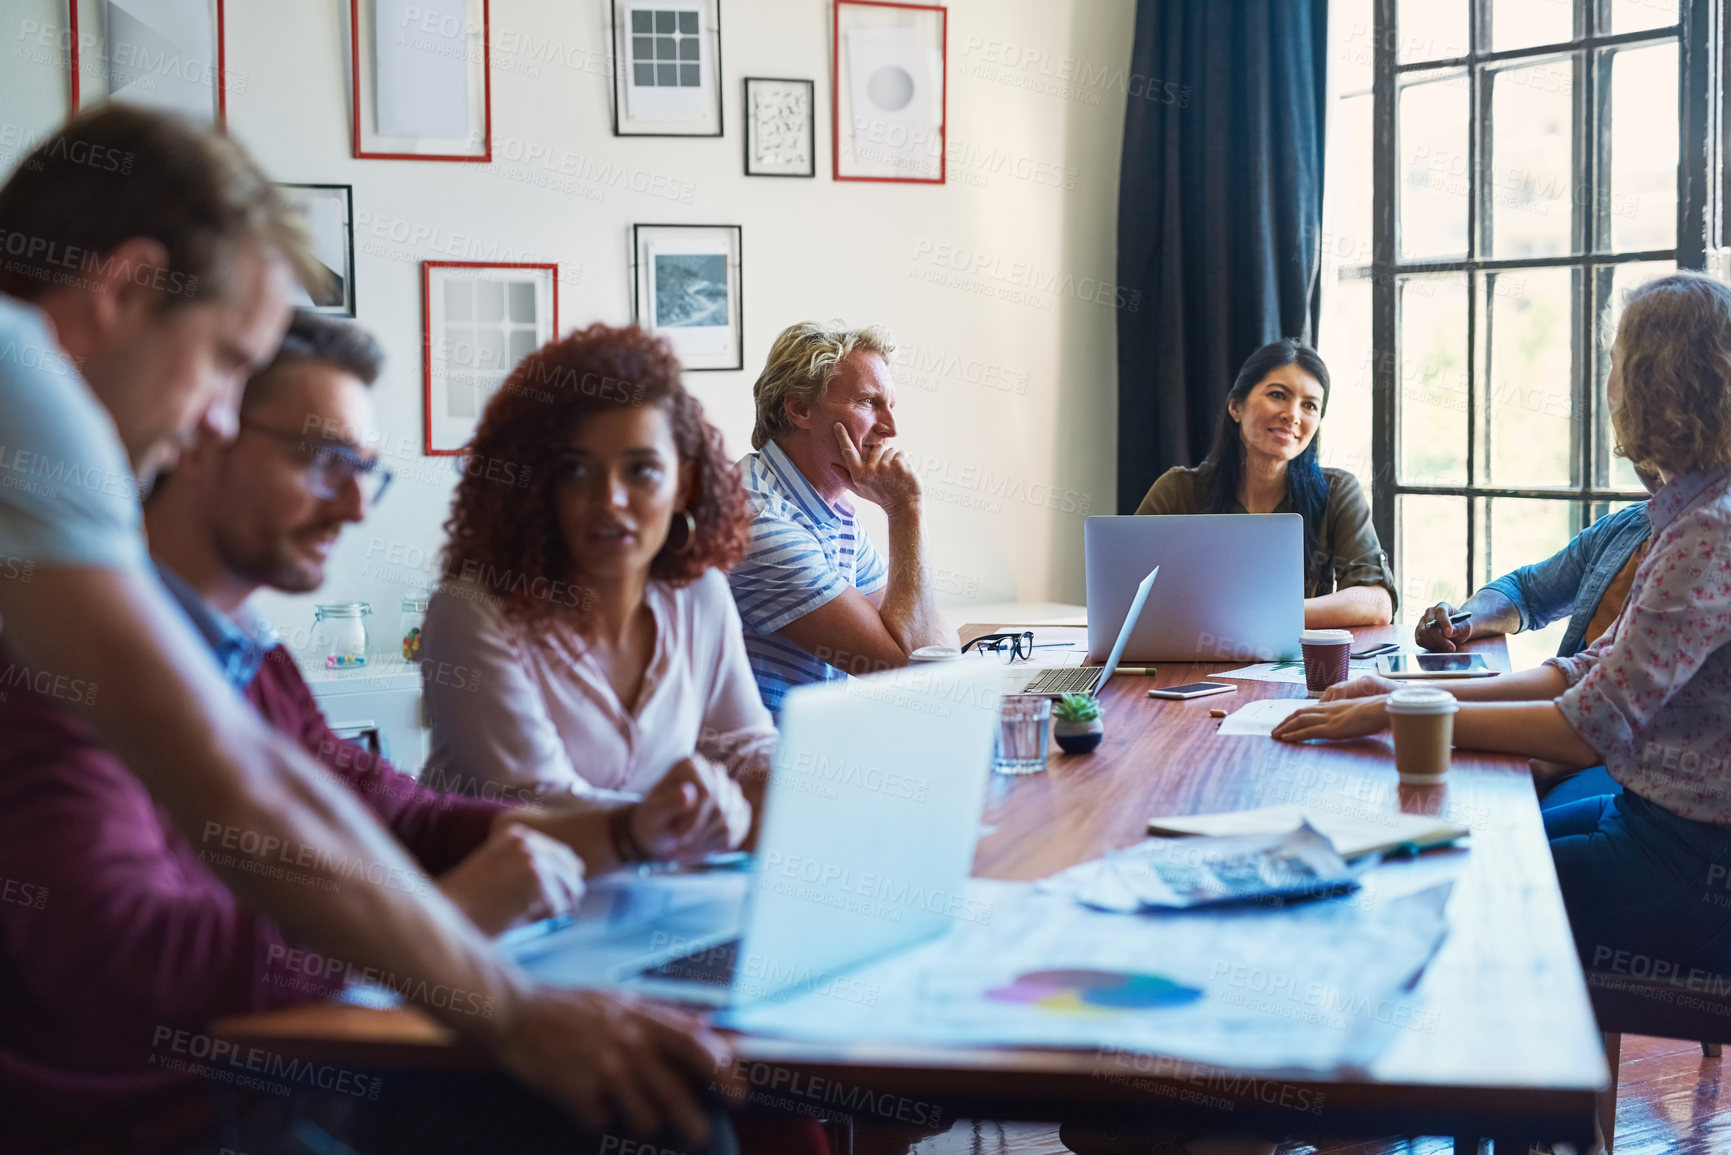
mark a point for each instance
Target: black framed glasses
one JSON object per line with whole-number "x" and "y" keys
{"x": 331, "y": 465}
{"x": 1019, "y": 645}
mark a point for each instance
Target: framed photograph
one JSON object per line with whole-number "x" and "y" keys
{"x": 666, "y": 67}
{"x": 687, "y": 290}
{"x": 478, "y": 320}
{"x": 329, "y": 213}
{"x": 163, "y": 54}
{"x": 780, "y": 127}
{"x": 422, "y": 81}
{"x": 890, "y": 90}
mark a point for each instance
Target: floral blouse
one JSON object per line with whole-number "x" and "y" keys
{"x": 1653, "y": 695}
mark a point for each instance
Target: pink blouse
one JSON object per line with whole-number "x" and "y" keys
{"x": 511, "y": 714}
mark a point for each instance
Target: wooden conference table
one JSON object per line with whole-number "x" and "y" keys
{"x": 1497, "y": 1040}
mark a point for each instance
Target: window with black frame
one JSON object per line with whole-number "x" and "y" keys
{"x": 1520, "y": 164}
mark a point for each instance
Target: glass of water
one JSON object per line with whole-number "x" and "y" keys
{"x": 1024, "y": 733}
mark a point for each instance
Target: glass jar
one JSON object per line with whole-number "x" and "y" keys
{"x": 340, "y": 633}
{"x": 413, "y": 617}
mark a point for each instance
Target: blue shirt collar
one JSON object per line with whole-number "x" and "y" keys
{"x": 800, "y": 489}
{"x": 239, "y": 649}
{"x": 1679, "y": 494}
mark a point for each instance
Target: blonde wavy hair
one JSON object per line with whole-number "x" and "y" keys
{"x": 802, "y": 362}
{"x": 1675, "y": 338}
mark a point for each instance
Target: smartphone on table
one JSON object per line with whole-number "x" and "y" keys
{"x": 1193, "y": 690}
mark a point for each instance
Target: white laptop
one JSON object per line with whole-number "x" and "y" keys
{"x": 1231, "y": 586}
{"x": 1061, "y": 680}
{"x": 867, "y": 841}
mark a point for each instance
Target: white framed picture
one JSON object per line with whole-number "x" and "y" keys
{"x": 422, "y": 80}
{"x": 888, "y": 104}
{"x": 328, "y": 211}
{"x": 780, "y": 127}
{"x": 688, "y": 281}
{"x": 478, "y": 321}
{"x": 666, "y": 67}
{"x": 163, "y": 54}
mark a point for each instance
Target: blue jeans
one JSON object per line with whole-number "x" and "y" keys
{"x": 1648, "y": 892}
{"x": 1585, "y": 784}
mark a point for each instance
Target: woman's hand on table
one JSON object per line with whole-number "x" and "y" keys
{"x": 695, "y": 810}
{"x": 1365, "y": 686}
{"x": 1343, "y": 718}
{"x": 517, "y": 874}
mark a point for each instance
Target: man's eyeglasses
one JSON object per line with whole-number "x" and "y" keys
{"x": 331, "y": 465}
{"x": 1019, "y": 645}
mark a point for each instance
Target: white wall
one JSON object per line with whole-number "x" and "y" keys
{"x": 999, "y": 285}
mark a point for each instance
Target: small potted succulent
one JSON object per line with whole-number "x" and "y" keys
{"x": 1076, "y": 723}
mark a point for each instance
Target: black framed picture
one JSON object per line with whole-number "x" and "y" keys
{"x": 687, "y": 282}
{"x": 780, "y": 127}
{"x": 666, "y": 67}
{"x": 328, "y": 211}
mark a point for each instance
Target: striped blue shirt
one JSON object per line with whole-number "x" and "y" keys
{"x": 804, "y": 553}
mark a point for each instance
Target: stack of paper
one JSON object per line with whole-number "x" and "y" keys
{"x": 1353, "y": 836}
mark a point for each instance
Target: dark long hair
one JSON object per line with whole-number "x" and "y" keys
{"x": 1306, "y": 487}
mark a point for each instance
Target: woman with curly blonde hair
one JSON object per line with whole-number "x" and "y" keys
{"x": 584, "y": 639}
{"x": 1646, "y": 873}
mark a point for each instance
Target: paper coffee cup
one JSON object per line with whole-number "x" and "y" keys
{"x": 1327, "y": 658}
{"x": 1423, "y": 720}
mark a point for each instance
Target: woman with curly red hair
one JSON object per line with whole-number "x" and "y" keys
{"x": 584, "y": 599}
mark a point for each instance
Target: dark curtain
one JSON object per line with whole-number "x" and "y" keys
{"x": 1219, "y": 210}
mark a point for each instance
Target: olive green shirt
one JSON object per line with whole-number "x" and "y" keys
{"x": 1346, "y": 538}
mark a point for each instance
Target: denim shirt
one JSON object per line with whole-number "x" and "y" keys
{"x": 238, "y": 650}
{"x": 1573, "y": 580}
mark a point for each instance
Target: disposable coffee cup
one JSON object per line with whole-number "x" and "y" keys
{"x": 934, "y": 654}
{"x": 1423, "y": 720}
{"x": 1327, "y": 658}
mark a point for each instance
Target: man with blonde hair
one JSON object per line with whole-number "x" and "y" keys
{"x": 818, "y": 601}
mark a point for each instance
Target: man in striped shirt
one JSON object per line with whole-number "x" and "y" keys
{"x": 817, "y": 599}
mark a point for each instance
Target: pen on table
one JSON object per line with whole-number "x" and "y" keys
{"x": 1454, "y": 620}
{"x": 1139, "y": 671}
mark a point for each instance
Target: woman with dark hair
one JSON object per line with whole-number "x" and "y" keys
{"x": 1264, "y": 460}
{"x": 584, "y": 639}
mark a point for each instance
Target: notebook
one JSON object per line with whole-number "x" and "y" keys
{"x": 1352, "y": 836}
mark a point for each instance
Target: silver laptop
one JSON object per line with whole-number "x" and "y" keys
{"x": 1231, "y": 585}
{"x": 1061, "y": 680}
{"x": 867, "y": 841}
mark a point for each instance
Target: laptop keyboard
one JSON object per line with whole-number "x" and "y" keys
{"x": 1065, "y": 680}
{"x": 713, "y": 965}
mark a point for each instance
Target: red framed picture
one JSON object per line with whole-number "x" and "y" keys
{"x": 421, "y": 80}
{"x": 891, "y": 88}
{"x": 478, "y": 320}
{"x": 156, "y": 53}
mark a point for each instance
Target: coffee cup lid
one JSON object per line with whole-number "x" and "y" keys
{"x": 1422, "y": 700}
{"x": 934, "y": 654}
{"x": 1325, "y": 637}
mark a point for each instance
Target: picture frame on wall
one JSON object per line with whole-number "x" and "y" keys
{"x": 328, "y": 211}
{"x": 687, "y": 289}
{"x": 169, "y": 55}
{"x": 780, "y": 127}
{"x": 478, "y": 320}
{"x": 666, "y": 67}
{"x": 888, "y": 104}
{"x": 421, "y": 80}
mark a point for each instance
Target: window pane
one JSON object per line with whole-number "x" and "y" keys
{"x": 1346, "y": 214}
{"x": 1346, "y": 349}
{"x": 1642, "y": 148}
{"x": 1354, "y": 53}
{"x": 1524, "y": 23}
{"x": 1614, "y": 283}
{"x": 1431, "y": 411}
{"x": 1432, "y": 29}
{"x": 1510, "y": 533}
{"x": 1528, "y": 408}
{"x": 1530, "y": 208}
{"x": 1433, "y": 167}
{"x": 1433, "y": 551}
{"x": 1634, "y": 15}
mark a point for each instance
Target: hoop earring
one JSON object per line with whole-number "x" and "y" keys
{"x": 690, "y": 534}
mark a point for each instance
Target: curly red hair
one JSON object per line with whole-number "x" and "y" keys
{"x": 503, "y": 524}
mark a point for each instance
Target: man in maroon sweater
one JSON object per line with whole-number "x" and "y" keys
{"x": 117, "y": 941}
